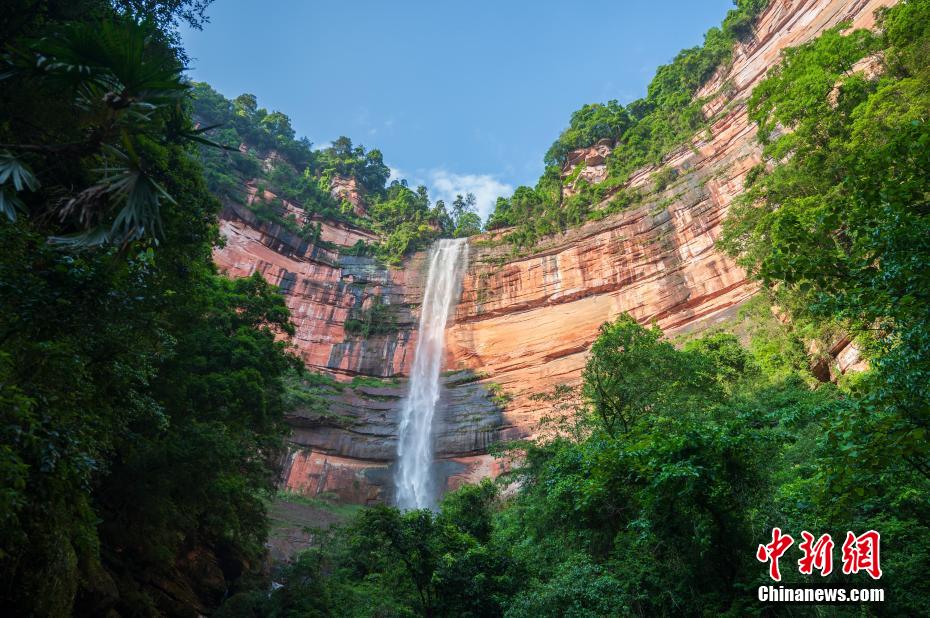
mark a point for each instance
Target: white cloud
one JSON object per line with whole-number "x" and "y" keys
{"x": 396, "y": 174}
{"x": 445, "y": 185}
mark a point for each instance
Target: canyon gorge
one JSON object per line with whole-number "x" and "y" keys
{"x": 524, "y": 319}
{"x": 245, "y": 374}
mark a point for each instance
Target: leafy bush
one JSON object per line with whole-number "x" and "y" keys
{"x": 376, "y": 319}
{"x": 664, "y": 177}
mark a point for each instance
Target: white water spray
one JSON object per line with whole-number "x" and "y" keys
{"x": 414, "y": 477}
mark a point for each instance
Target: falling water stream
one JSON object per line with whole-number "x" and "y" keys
{"x": 414, "y": 482}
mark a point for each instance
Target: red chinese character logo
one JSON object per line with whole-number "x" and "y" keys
{"x": 860, "y": 553}
{"x": 773, "y": 551}
{"x": 817, "y": 555}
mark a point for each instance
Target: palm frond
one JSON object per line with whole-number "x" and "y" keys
{"x": 114, "y": 57}
{"x": 14, "y": 171}
{"x": 141, "y": 197}
{"x": 94, "y": 237}
{"x": 10, "y": 204}
{"x": 126, "y": 88}
{"x": 140, "y": 214}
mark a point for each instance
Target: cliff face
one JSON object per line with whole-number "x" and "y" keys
{"x": 525, "y": 322}
{"x": 321, "y": 287}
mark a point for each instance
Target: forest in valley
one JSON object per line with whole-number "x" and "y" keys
{"x": 143, "y": 393}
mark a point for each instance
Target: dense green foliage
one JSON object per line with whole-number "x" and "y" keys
{"x": 464, "y": 217}
{"x": 648, "y": 498}
{"x": 641, "y": 133}
{"x": 140, "y": 393}
{"x": 840, "y": 222}
{"x": 273, "y": 160}
{"x": 374, "y": 319}
{"x": 388, "y": 563}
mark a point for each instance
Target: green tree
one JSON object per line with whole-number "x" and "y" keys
{"x": 112, "y": 94}
{"x": 465, "y": 219}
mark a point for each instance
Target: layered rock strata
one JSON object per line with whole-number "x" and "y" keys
{"x": 322, "y": 286}
{"x": 351, "y": 453}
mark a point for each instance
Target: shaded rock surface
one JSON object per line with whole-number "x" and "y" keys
{"x": 321, "y": 287}
{"x": 352, "y": 454}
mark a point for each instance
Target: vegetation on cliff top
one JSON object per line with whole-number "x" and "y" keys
{"x": 642, "y": 133}
{"x": 273, "y": 159}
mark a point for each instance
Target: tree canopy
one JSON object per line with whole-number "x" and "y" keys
{"x": 647, "y": 495}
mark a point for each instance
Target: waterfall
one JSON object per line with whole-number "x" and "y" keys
{"x": 414, "y": 476}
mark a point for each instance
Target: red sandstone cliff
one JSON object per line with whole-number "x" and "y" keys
{"x": 524, "y": 323}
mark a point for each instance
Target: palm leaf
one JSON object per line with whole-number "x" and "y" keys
{"x": 126, "y": 185}
{"x": 197, "y": 135}
{"x": 10, "y": 204}
{"x": 15, "y": 171}
{"x": 140, "y": 214}
{"x": 128, "y": 86}
{"x": 141, "y": 197}
{"x": 94, "y": 237}
{"x": 112, "y": 56}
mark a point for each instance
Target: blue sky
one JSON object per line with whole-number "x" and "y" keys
{"x": 460, "y": 96}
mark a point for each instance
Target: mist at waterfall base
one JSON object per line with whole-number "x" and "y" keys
{"x": 414, "y": 479}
